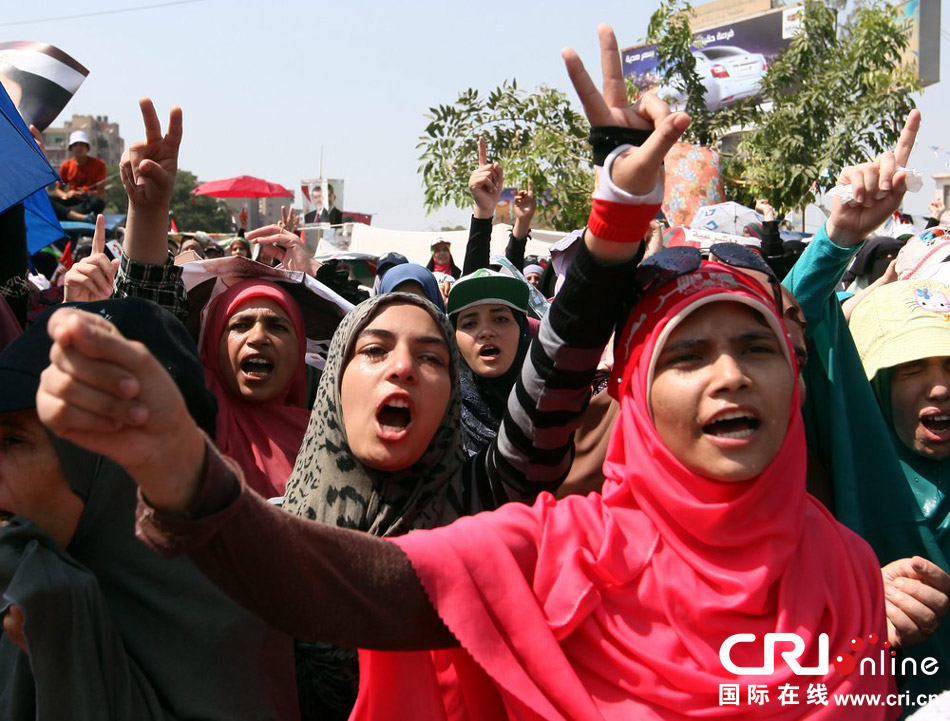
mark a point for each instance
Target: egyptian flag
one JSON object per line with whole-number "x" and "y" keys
{"x": 40, "y": 79}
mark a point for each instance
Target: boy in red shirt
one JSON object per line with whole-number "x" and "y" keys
{"x": 85, "y": 179}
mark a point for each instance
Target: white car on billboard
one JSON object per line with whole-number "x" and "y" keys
{"x": 728, "y": 73}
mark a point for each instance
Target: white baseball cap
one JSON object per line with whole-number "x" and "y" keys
{"x": 78, "y": 136}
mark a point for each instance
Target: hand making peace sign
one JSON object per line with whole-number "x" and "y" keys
{"x": 637, "y": 170}
{"x": 148, "y": 168}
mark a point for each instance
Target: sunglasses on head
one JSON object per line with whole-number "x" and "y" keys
{"x": 671, "y": 263}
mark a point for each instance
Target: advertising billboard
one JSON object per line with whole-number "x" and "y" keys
{"x": 731, "y": 59}
{"x": 920, "y": 20}
{"x": 718, "y": 12}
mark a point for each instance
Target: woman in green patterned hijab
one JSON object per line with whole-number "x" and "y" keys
{"x": 335, "y": 483}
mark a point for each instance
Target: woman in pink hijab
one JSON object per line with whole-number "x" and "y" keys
{"x": 253, "y": 349}
{"x": 618, "y": 605}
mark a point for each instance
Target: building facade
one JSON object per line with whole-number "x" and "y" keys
{"x": 104, "y": 137}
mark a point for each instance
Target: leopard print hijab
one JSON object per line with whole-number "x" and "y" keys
{"x": 329, "y": 485}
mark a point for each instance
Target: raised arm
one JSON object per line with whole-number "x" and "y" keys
{"x": 485, "y": 183}
{"x": 936, "y": 207}
{"x": 363, "y": 588}
{"x": 878, "y": 188}
{"x": 148, "y": 170}
{"x": 525, "y": 206}
{"x": 535, "y": 442}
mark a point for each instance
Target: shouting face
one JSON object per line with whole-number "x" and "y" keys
{"x": 395, "y": 387}
{"x": 722, "y": 391}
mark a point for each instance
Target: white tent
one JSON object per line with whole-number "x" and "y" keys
{"x": 416, "y": 246}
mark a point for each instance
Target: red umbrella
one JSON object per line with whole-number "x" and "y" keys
{"x": 243, "y": 186}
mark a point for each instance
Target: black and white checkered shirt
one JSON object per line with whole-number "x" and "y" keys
{"x": 160, "y": 284}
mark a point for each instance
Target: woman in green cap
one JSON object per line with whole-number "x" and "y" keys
{"x": 489, "y": 313}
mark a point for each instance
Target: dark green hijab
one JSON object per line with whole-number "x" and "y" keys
{"x": 878, "y": 484}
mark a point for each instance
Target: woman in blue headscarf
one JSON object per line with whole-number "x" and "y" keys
{"x": 412, "y": 278}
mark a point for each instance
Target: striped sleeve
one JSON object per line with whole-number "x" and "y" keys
{"x": 534, "y": 449}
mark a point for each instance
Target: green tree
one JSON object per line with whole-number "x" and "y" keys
{"x": 198, "y": 212}
{"x": 834, "y": 97}
{"x": 116, "y": 199}
{"x": 850, "y": 105}
{"x": 537, "y": 136}
{"x": 191, "y": 213}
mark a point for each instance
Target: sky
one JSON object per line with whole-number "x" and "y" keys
{"x": 265, "y": 86}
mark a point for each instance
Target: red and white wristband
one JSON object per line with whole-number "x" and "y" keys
{"x": 617, "y": 215}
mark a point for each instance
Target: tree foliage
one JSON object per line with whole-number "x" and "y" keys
{"x": 537, "y": 136}
{"x": 834, "y": 97}
{"x": 197, "y": 212}
{"x": 670, "y": 32}
{"x": 848, "y": 105}
{"x": 201, "y": 213}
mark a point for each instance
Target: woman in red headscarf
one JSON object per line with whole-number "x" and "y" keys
{"x": 253, "y": 347}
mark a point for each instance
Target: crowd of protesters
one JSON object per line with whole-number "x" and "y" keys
{"x": 592, "y": 488}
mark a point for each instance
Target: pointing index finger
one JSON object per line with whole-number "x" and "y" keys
{"x": 482, "y": 152}
{"x": 907, "y": 139}
{"x": 99, "y": 236}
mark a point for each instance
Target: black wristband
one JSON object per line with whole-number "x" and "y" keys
{"x": 604, "y": 139}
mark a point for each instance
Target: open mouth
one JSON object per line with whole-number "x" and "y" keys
{"x": 394, "y": 416}
{"x": 937, "y": 424}
{"x": 733, "y": 425}
{"x": 257, "y": 367}
{"x": 489, "y": 352}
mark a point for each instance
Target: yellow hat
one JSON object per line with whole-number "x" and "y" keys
{"x": 903, "y": 321}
